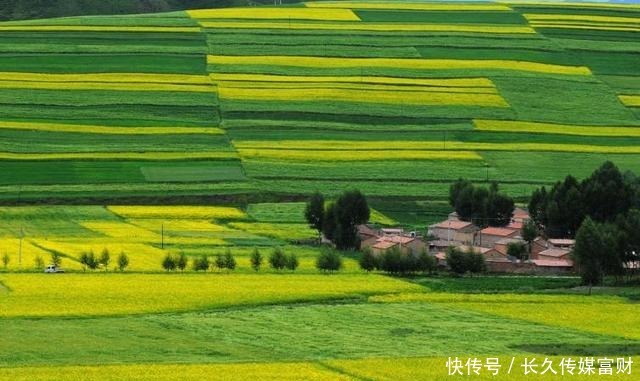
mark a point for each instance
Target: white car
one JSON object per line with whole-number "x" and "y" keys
{"x": 52, "y": 269}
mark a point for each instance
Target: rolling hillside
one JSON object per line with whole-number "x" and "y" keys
{"x": 397, "y": 99}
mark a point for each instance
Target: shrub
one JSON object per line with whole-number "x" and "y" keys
{"x": 169, "y": 263}
{"x": 256, "y": 259}
{"x": 329, "y": 260}
{"x": 292, "y": 262}
{"x": 105, "y": 259}
{"x": 368, "y": 261}
{"x": 182, "y": 261}
{"x": 426, "y": 263}
{"x": 277, "y": 259}
{"x": 123, "y": 261}
{"x": 229, "y": 260}
{"x": 201, "y": 264}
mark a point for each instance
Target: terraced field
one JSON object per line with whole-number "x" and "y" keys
{"x": 395, "y": 98}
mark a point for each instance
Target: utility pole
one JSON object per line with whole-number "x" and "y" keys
{"x": 162, "y": 236}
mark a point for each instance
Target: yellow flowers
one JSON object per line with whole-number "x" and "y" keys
{"x": 424, "y": 98}
{"x": 398, "y": 63}
{"x": 118, "y": 155}
{"x": 472, "y": 91}
{"x": 552, "y": 128}
{"x": 277, "y": 230}
{"x": 177, "y": 372}
{"x": 275, "y": 13}
{"x": 179, "y": 212}
{"x": 630, "y": 100}
{"x": 256, "y": 79}
{"x": 108, "y": 81}
{"x": 369, "y": 26}
{"x": 599, "y": 314}
{"x": 38, "y": 295}
{"x": 355, "y": 155}
{"x": 564, "y": 21}
{"x": 89, "y": 28}
{"x": 107, "y": 78}
{"x": 108, "y": 130}
{"x": 408, "y": 6}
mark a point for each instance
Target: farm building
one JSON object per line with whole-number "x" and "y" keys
{"x": 502, "y": 245}
{"x": 454, "y": 231}
{"x": 553, "y": 254}
{"x": 488, "y": 237}
{"x": 540, "y": 244}
{"x": 558, "y": 266}
{"x": 407, "y": 244}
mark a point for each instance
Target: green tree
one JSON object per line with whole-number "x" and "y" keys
{"x": 256, "y": 259}
{"x": 588, "y": 251}
{"x": 314, "y": 212}
{"x": 56, "y": 259}
{"x": 5, "y": 260}
{"x": 480, "y": 205}
{"x": 169, "y": 262}
{"x": 123, "y": 261}
{"x": 517, "y": 250}
{"x": 368, "y": 261}
{"x": 220, "y": 262}
{"x": 38, "y": 262}
{"x": 92, "y": 260}
{"x": 201, "y": 263}
{"x": 330, "y": 222}
{"x": 105, "y": 259}
{"x": 292, "y": 262}
{"x": 476, "y": 262}
{"x": 229, "y": 260}
{"x": 426, "y": 262}
{"x": 456, "y": 260}
{"x": 529, "y": 234}
{"x": 329, "y": 260}
{"x": 278, "y": 259}
{"x": 84, "y": 260}
{"x": 182, "y": 261}
{"x": 343, "y": 217}
{"x": 606, "y": 194}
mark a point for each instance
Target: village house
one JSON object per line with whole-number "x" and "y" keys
{"x": 540, "y": 244}
{"x": 488, "y": 237}
{"x": 384, "y": 239}
{"x": 454, "y": 231}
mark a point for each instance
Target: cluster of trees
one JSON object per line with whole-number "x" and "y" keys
{"x": 329, "y": 260}
{"x": 278, "y": 260}
{"x": 602, "y": 212}
{"x": 482, "y": 206}
{"x": 462, "y": 262}
{"x": 603, "y": 196}
{"x": 90, "y": 261}
{"x": 338, "y": 220}
{"x": 30, "y": 9}
{"x": 394, "y": 261}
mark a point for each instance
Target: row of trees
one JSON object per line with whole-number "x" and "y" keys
{"x": 602, "y": 212}
{"x": 278, "y": 260}
{"x": 461, "y": 262}
{"x": 482, "y": 206}
{"x": 338, "y": 220}
{"x": 90, "y": 261}
{"x": 603, "y": 196}
{"x": 394, "y": 261}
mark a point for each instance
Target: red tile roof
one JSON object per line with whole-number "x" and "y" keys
{"x": 453, "y": 225}
{"x": 500, "y": 232}
{"x": 556, "y": 253}
{"x": 552, "y": 263}
{"x": 383, "y": 245}
{"x": 515, "y": 225}
{"x": 397, "y": 239}
{"x": 562, "y": 242}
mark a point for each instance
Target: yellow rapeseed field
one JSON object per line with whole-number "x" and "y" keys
{"x": 398, "y": 63}
{"x": 356, "y": 155}
{"x": 117, "y": 155}
{"x": 106, "y": 86}
{"x": 275, "y": 13}
{"x": 369, "y": 26}
{"x": 630, "y": 100}
{"x": 90, "y": 28}
{"x": 552, "y": 128}
{"x": 173, "y": 372}
{"x": 408, "y": 6}
{"x": 564, "y": 25}
{"x": 422, "y": 98}
{"x": 122, "y": 231}
{"x": 108, "y": 130}
{"x": 142, "y": 256}
{"x": 177, "y": 212}
{"x": 277, "y": 230}
{"x": 563, "y": 17}
{"x": 280, "y": 86}
{"x": 434, "y": 368}
{"x": 435, "y": 82}
{"x": 24, "y": 258}
{"x": 41, "y": 295}
{"x": 145, "y": 78}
